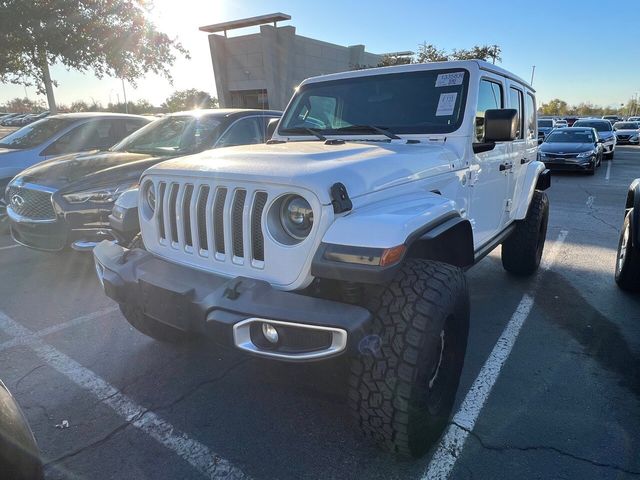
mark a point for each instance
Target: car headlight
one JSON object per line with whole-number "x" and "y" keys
{"x": 296, "y": 217}
{"x": 587, "y": 154}
{"x": 149, "y": 196}
{"x": 542, "y": 154}
{"x": 99, "y": 195}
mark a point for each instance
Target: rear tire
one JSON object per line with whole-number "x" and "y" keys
{"x": 153, "y": 328}
{"x": 522, "y": 251}
{"x": 403, "y": 382}
{"x": 627, "y": 272}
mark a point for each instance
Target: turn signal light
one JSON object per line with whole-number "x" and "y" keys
{"x": 392, "y": 255}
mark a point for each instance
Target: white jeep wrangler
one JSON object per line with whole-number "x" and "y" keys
{"x": 348, "y": 234}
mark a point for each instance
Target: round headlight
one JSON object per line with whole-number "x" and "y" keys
{"x": 296, "y": 217}
{"x": 150, "y": 196}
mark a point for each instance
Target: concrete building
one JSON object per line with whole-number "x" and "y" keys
{"x": 261, "y": 70}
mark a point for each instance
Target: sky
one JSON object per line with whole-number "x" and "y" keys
{"x": 578, "y": 47}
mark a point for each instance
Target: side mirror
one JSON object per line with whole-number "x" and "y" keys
{"x": 500, "y": 125}
{"x": 540, "y": 140}
{"x": 600, "y": 140}
{"x": 271, "y": 128}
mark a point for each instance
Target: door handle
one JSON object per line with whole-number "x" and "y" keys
{"x": 505, "y": 166}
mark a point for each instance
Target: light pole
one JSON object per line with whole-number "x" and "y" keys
{"x": 124, "y": 94}
{"x": 533, "y": 70}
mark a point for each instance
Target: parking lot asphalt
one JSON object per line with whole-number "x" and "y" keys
{"x": 565, "y": 401}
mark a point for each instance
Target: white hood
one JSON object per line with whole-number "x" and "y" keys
{"x": 363, "y": 167}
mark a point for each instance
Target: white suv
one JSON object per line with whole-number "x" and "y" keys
{"x": 348, "y": 234}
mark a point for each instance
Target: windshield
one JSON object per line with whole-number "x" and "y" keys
{"x": 600, "y": 126}
{"x": 171, "y": 135}
{"x": 417, "y": 102}
{"x": 36, "y": 133}
{"x": 545, "y": 123}
{"x": 570, "y": 136}
{"x": 626, "y": 126}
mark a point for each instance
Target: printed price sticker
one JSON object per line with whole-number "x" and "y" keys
{"x": 449, "y": 79}
{"x": 446, "y": 104}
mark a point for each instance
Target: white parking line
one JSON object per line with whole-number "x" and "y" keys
{"x": 608, "y": 174}
{"x": 15, "y": 245}
{"x": 453, "y": 441}
{"x": 190, "y": 450}
{"x": 56, "y": 328}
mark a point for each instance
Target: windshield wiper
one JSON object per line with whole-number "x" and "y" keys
{"x": 312, "y": 131}
{"x": 371, "y": 128}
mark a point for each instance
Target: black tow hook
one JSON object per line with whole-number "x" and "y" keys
{"x": 232, "y": 293}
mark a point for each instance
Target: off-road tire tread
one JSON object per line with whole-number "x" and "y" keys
{"x": 519, "y": 251}
{"x": 405, "y": 316}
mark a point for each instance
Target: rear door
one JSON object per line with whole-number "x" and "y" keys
{"x": 525, "y": 148}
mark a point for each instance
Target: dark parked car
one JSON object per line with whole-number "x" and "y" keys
{"x": 627, "y": 273}
{"x": 58, "y": 135}
{"x": 68, "y": 200}
{"x": 545, "y": 125}
{"x": 605, "y": 132}
{"x": 571, "y": 120}
{"x": 572, "y": 148}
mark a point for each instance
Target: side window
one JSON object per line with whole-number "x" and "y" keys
{"x": 131, "y": 126}
{"x": 244, "y": 132}
{"x": 489, "y": 98}
{"x": 531, "y": 117}
{"x": 515, "y": 101}
{"x": 264, "y": 125}
{"x": 97, "y": 134}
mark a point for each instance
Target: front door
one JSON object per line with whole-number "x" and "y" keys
{"x": 489, "y": 171}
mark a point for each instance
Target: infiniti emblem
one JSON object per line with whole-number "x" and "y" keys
{"x": 17, "y": 200}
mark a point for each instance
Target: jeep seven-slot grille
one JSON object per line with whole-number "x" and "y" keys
{"x": 30, "y": 203}
{"x": 211, "y": 222}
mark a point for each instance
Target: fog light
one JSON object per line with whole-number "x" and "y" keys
{"x": 270, "y": 332}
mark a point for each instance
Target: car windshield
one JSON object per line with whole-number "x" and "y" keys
{"x": 570, "y": 136}
{"x": 625, "y": 126}
{"x": 35, "y": 134}
{"x": 177, "y": 134}
{"x": 545, "y": 123}
{"x": 410, "y": 102}
{"x": 600, "y": 126}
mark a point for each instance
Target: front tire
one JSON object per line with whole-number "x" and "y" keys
{"x": 627, "y": 272}
{"x": 403, "y": 383}
{"x": 152, "y": 327}
{"x": 522, "y": 251}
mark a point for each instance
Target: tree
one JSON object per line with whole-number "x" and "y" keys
{"x": 189, "y": 100}
{"x": 22, "y": 105}
{"x": 479, "y": 52}
{"x": 113, "y": 38}
{"x": 554, "y": 107}
{"x": 428, "y": 52}
{"x": 390, "y": 60}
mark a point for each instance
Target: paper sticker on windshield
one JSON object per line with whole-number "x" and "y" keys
{"x": 449, "y": 79}
{"x": 446, "y": 103}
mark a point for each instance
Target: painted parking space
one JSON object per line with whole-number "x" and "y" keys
{"x": 559, "y": 385}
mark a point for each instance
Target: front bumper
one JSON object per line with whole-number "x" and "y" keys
{"x": 569, "y": 164}
{"x": 226, "y": 309}
{"x": 56, "y": 234}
